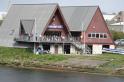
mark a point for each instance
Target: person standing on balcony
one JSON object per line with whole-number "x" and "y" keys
{"x": 36, "y": 37}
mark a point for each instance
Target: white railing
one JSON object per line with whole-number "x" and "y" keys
{"x": 47, "y": 39}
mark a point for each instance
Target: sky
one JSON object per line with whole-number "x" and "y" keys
{"x": 109, "y": 6}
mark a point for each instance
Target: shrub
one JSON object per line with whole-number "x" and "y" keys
{"x": 117, "y": 35}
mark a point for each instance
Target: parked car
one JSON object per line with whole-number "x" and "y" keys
{"x": 119, "y": 42}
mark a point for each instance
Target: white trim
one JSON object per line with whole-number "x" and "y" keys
{"x": 99, "y": 35}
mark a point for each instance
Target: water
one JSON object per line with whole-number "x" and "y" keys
{"x": 23, "y": 75}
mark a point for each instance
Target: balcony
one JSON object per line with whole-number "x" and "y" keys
{"x": 49, "y": 39}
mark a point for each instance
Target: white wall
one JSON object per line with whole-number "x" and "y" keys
{"x": 112, "y": 47}
{"x": 97, "y": 49}
{"x": 52, "y": 49}
{"x": 72, "y": 49}
{"x": 60, "y": 49}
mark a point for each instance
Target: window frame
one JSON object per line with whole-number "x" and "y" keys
{"x": 98, "y": 35}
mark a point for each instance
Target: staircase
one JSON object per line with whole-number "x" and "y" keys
{"x": 80, "y": 46}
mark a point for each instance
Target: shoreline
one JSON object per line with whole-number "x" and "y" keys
{"x": 59, "y": 69}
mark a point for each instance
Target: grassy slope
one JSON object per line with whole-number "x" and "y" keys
{"x": 114, "y": 60}
{"x": 24, "y": 57}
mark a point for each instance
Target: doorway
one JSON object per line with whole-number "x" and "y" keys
{"x": 67, "y": 49}
{"x": 56, "y": 49}
{"x": 105, "y": 46}
{"x": 46, "y": 47}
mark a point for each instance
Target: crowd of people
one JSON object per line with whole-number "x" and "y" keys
{"x": 59, "y": 38}
{"x": 49, "y": 38}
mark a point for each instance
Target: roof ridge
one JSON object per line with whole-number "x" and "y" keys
{"x": 38, "y": 4}
{"x": 81, "y": 6}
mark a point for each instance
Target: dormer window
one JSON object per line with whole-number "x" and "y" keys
{"x": 26, "y": 26}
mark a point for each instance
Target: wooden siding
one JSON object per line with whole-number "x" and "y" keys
{"x": 58, "y": 20}
{"x": 98, "y": 25}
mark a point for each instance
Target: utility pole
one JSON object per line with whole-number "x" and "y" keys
{"x": 34, "y": 37}
{"x": 83, "y": 38}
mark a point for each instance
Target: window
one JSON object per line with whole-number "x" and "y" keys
{"x": 105, "y": 35}
{"x": 89, "y": 35}
{"x": 97, "y": 35}
{"x": 101, "y": 35}
{"x": 93, "y": 35}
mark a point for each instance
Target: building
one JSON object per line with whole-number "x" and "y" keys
{"x": 117, "y": 22}
{"x": 108, "y": 17}
{"x": 119, "y": 17}
{"x": 118, "y": 27}
{"x": 66, "y": 29}
{"x": 2, "y": 16}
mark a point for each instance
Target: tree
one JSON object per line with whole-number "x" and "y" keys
{"x": 117, "y": 35}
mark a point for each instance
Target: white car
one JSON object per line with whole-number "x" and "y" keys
{"x": 119, "y": 42}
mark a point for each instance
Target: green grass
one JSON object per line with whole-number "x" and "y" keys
{"x": 25, "y": 57}
{"x": 10, "y": 55}
{"x": 114, "y": 60}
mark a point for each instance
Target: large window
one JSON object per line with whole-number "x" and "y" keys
{"x": 97, "y": 35}
{"x": 55, "y": 26}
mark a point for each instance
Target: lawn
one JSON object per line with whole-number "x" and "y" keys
{"x": 25, "y": 57}
{"x": 114, "y": 60}
{"x": 10, "y": 55}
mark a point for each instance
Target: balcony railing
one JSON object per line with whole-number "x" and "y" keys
{"x": 26, "y": 38}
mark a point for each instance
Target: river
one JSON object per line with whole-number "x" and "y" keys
{"x": 23, "y": 75}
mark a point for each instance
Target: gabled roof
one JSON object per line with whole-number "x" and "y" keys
{"x": 78, "y": 16}
{"x": 41, "y": 13}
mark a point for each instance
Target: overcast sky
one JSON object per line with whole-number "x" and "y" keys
{"x": 105, "y": 5}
